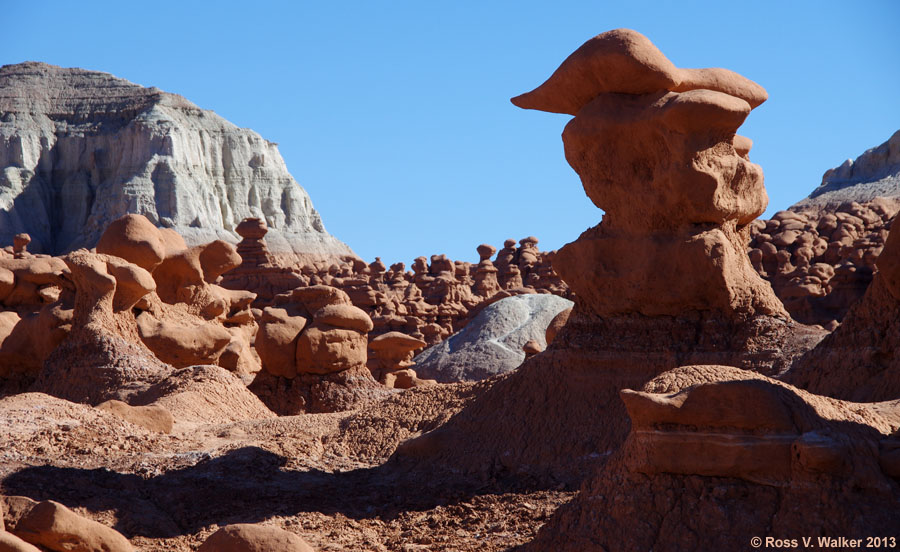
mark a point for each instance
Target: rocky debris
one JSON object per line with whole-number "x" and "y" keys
{"x": 875, "y": 173}
{"x": 56, "y": 527}
{"x": 155, "y": 418}
{"x": 821, "y": 259}
{"x": 246, "y": 537}
{"x": 312, "y": 343}
{"x": 858, "y": 361}
{"x": 204, "y": 395}
{"x": 715, "y": 447}
{"x": 103, "y": 147}
{"x": 661, "y": 282}
{"x": 492, "y": 343}
{"x": 390, "y": 360}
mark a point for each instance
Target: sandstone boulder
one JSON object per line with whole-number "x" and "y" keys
{"x": 56, "y": 527}
{"x": 245, "y": 537}
{"x": 12, "y": 543}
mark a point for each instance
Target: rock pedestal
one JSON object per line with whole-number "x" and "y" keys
{"x": 663, "y": 281}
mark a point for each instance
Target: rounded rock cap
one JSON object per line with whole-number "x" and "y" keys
{"x": 396, "y": 341}
{"x": 252, "y": 228}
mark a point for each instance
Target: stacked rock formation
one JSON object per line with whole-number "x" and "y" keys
{"x": 258, "y": 270}
{"x": 663, "y": 281}
{"x": 312, "y": 343}
{"x": 821, "y": 259}
{"x": 390, "y": 360}
{"x": 79, "y": 149}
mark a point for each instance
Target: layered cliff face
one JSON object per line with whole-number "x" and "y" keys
{"x": 875, "y": 173}
{"x": 78, "y": 149}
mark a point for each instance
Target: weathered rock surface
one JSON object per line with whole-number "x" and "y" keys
{"x": 430, "y": 302}
{"x": 717, "y": 455}
{"x": 875, "y": 173}
{"x": 53, "y": 525}
{"x": 492, "y": 342}
{"x": 155, "y": 418}
{"x": 859, "y": 361}
{"x": 79, "y": 149}
{"x": 663, "y": 281}
{"x": 312, "y": 344}
{"x": 246, "y": 537}
{"x": 820, "y": 260}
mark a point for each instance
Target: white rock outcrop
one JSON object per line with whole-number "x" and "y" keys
{"x": 875, "y": 173}
{"x": 492, "y": 342}
{"x": 79, "y": 149}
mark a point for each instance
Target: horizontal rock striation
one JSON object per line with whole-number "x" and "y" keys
{"x": 875, "y": 173}
{"x": 79, "y": 149}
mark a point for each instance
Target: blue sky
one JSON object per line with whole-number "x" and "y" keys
{"x": 395, "y": 116}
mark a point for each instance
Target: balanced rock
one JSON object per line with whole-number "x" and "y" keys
{"x": 313, "y": 341}
{"x": 391, "y": 353}
{"x": 103, "y": 356}
{"x": 663, "y": 281}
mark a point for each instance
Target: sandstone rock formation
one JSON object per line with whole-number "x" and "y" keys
{"x": 663, "y": 281}
{"x": 53, "y": 525}
{"x": 258, "y": 271}
{"x": 820, "y": 260}
{"x": 717, "y": 455}
{"x": 859, "y": 361}
{"x": 102, "y": 357}
{"x": 430, "y": 302}
{"x": 246, "y": 537}
{"x": 312, "y": 344}
{"x": 492, "y": 343}
{"x": 390, "y": 360}
{"x": 79, "y": 149}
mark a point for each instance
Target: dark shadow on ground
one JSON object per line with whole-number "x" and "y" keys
{"x": 248, "y": 485}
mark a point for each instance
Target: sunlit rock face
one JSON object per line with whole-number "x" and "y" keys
{"x": 79, "y": 149}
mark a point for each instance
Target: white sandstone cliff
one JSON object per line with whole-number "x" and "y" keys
{"x": 79, "y": 148}
{"x": 875, "y": 173}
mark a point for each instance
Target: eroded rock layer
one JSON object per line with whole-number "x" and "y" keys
{"x": 79, "y": 149}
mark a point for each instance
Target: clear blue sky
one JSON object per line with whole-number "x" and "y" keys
{"x": 395, "y": 116}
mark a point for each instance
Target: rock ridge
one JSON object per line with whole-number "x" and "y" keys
{"x": 79, "y": 149}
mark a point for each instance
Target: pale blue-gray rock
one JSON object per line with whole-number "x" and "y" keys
{"x": 492, "y": 342}
{"x": 79, "y": 149}
{"x": 875, "y": 173}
